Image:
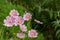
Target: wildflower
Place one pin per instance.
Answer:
(20, 35)
(14, 13)
(32, 33)
(9, 21)
(37, 21)
(11, 38)
(27, 16)
(19, 20)
(23, 28)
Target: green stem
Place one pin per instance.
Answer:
(58, 13)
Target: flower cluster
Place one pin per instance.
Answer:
(15, 19)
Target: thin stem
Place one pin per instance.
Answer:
(58, 13)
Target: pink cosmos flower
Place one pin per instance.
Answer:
(9, 21)
(27, 16)
(23, 28)
(19, 20)
(11, 38)
(14, 13)
(20, 35)
(32, 33)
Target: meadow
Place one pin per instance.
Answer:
(45, 19)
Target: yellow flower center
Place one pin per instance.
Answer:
(32, 34)
(27, 16)
(19, 22)
(10, 21)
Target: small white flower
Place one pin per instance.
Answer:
(23, 28)
(27, 16)
(14, 13)
(20, 35)
(19, 20)
(32, 33)
(37, 21)
(9, 21)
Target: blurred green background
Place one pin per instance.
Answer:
(47, 11)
